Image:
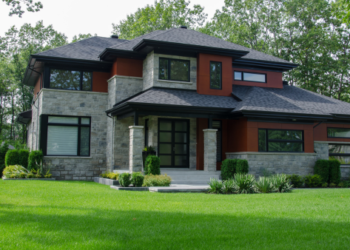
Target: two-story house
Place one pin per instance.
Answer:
(197, 99)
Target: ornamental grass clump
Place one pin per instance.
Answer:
(156, 181)
(281, 183)
(265, 185)
(245, 183)
(215, 186)
(14, 170)
(228, 186)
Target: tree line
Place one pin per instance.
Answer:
(312, 33)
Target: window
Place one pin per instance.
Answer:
(271, 140)
(217, 125)
(338, 132)
(215, 75)
(340, 152)
(249, 77)
(70, 79)
(68, 136)
(174, 69)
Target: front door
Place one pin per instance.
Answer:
(173, 143)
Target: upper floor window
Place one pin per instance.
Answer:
(249, 77)
(338, 132)
(70, 79)
(174, 69)
(272, 140)
(215, 75)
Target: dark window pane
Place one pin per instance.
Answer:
(85, 121)
(181, 126)
(64, 79)
(254, 77)
(179, 70)
(180, 149)
(163, 69)
(84, 141)
(181, 161)
(238, 76)
(285, 147)
(165, 125)
(181, 137)
(62, 140)
(262, 140)
(339, 149)
(339, 132)
(87, 78)
(216, 124)
(164, 137)
(165, 160)
(218, 146)
(215, 75)
(165, 148)
(285, 135)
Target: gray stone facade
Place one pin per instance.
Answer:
(210, 148)
(74, 103)
(345, 172)
(151, 73)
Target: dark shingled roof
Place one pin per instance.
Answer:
(287, 100)
(183, 98)
(87, 49)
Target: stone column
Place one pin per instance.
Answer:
(210, 149)
(135, 148)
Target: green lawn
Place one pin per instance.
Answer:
(86, 215)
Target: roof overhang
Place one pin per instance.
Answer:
(282, 116)
(264, 65)
(24, 117)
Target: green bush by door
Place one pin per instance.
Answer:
(230, 167)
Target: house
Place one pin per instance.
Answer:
(197, 99)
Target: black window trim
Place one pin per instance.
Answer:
(69, 69)
(219, 129)
(249, 73)
(337, 137)
(79, 125)
(276, 140)
(220, 75)
(169, 70)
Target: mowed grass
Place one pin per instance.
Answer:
(86, 215)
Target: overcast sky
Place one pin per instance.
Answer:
(72, 17)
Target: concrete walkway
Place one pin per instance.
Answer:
(174, 188)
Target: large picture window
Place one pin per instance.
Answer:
(272, 140)
(340, 152)
(70, 79)
(174, 69)
(215, 75)
(338, 132)
(249, 77)
(68, 136)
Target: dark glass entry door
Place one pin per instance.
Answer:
(173, 143)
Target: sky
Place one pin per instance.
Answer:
(73, 17)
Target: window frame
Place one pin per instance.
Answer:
(337, 137)
(80, 81)
(169, 69)
(339, 154)
(277, 140)
(79, 125)
(249, 73)
(220, 75)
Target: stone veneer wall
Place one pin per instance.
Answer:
(153, 136)
(120, 88)
(74, 103)
(151, 73)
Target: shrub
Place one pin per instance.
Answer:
(35, 159)
(30, 175)
(341, 184)
(332, 185)
(14, 169)
(22, 175)
(3, 150)
(295, 180)
(104, 175)
(322, 169)
(265, 185)
(244, 183)
(313, 180)
(48, 175)
(228, 186)
(228, 169)
(137, 179)
(11, 157)
(152, 165)
(124, 179)
(12, 176)
(23, 156)
(281, 184)
(242, 167)
(113, 176)
(215, 186)
(325, 184)
(334, 171)
(38, 176)
(156, 181)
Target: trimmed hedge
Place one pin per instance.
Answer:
(334, 171)
(322, 169)
(11, 157)
(124, 179)
(152, 165)
(228, 169)
(35, 158)
(137, 179)
(3, 150)
(23, 156)
(242, 167)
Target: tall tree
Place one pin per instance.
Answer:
(16, 6)
(164, 14)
